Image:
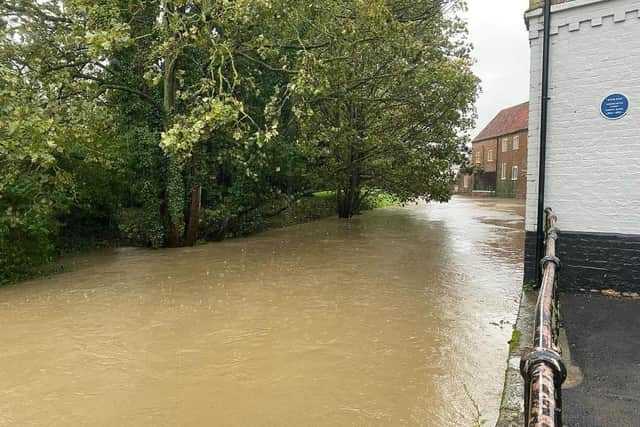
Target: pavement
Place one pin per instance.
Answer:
(512, 405)
(602, 349)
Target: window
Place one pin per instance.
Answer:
(503, 171)
(516, 142)
(505, 144)
(514, 173)
(466, 180)
(479, 156)
(490, 156)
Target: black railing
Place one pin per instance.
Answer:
(542, 367)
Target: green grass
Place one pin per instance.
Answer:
(374, 200)
(325, 194)
(377, 200)
(514, 342)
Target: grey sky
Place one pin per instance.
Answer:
(501, 49)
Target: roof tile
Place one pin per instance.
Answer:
(507, 121)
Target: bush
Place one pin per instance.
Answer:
(27, 221)
(21, 252)
(138, 227)
(378, 199)
(25, 236)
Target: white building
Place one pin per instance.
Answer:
(592, 179)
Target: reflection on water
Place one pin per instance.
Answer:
(381, 320)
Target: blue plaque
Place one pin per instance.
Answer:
(614, 106)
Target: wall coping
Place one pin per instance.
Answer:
(561, 6)
(535, 21)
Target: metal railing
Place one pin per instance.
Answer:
(542, 367)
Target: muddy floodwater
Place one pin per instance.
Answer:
(397, 317)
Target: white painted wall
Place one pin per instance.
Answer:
(593, 164)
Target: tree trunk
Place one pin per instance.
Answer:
(349, 197)
(174, 201)
(193, 222)
(174, 239)
(194, 217)
(175, 223)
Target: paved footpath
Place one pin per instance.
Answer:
(603, 334)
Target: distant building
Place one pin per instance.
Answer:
(500, 153)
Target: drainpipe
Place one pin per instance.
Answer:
(543, 137)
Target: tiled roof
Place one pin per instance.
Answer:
(507, 121)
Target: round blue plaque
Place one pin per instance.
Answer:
(614, 106)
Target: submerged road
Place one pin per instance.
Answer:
(398, 317)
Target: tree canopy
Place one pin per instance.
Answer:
(197, 117)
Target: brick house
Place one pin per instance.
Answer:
(500, 149)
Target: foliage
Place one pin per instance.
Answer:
(386, 100)
(169, 121)
(378, 199)
(30, 185)
(470, 168)
(52, 161)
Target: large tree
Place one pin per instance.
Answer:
(388, 98)
(54, 138)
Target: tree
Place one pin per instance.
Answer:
(43, 133)
(387, 98)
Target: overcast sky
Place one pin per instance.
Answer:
(501, 49)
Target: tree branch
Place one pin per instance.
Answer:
(265, 65)
(116, 86)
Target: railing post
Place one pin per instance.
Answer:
(542, 367)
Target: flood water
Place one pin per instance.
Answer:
(398, 317)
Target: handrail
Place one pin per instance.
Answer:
(542, 367)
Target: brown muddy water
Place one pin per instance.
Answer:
(397, 317)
